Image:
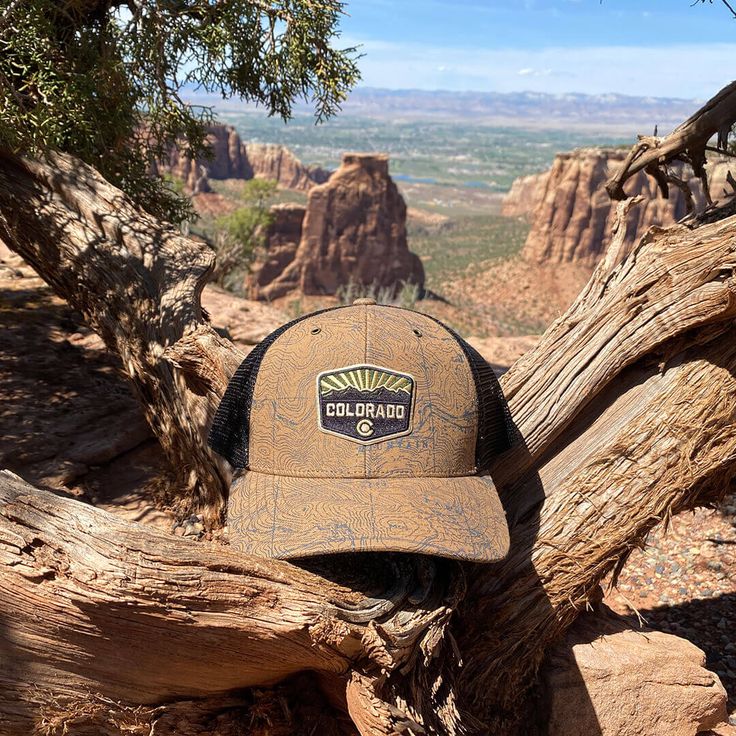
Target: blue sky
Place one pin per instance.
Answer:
(661, 48)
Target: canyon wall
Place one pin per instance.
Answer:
(233, 159)
(282, 242)
(271, 161)
(525, 195)
(571, 214)
(353, 230)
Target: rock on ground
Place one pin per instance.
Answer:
(606, 679)
(684, 583)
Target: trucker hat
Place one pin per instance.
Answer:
(364, 428)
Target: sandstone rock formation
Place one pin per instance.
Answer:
(282, 241)
(602, 663)
(572, 215)
(271, 161)
(525, 195)
(234, 159)
(353, 230)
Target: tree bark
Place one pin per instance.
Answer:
(626, 409)
(113, 627)
(624, 414)
(137, 282)
(95, 604)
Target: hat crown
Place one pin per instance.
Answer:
(364, 392)
(364, 428)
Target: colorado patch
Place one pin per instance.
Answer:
(365, 403)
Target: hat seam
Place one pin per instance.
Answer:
(472, 359)
(365, 359)
(360, 477)
(427, 383)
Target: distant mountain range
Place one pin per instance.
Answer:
(528, 109)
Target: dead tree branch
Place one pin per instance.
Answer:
(688, 142)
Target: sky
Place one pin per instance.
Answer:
(662, 48)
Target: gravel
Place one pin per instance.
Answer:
(684, 583)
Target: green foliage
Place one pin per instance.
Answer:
(174, 183)
(257, 192)
(103, 79)
(243, 231)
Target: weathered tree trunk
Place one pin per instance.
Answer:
(625, 415)
(136, 281)
(95, 604)
(110, 627)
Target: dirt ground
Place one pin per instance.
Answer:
(684, 582)
(509, 297)
(69, 419)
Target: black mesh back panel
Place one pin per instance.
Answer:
(229, 432)
(495, 428)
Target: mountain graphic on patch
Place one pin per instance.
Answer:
(365, 403)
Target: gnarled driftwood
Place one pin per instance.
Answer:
(688, 142)
(624, 412)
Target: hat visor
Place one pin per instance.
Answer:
(286, 517)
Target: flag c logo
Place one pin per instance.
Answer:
(364, 427)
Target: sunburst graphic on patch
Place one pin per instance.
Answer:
(365, 403)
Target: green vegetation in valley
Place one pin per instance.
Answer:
(463, 243)
(241, 232)
(465, 154)
(232, 189)
(235, 195)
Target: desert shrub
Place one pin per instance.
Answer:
(240, 234)
(404, 294)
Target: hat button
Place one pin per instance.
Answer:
(366, 301)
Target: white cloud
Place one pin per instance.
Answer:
(529, 72)
(682, 70)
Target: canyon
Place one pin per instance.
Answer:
(351, 231)
(232, 158)
(571, 214)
